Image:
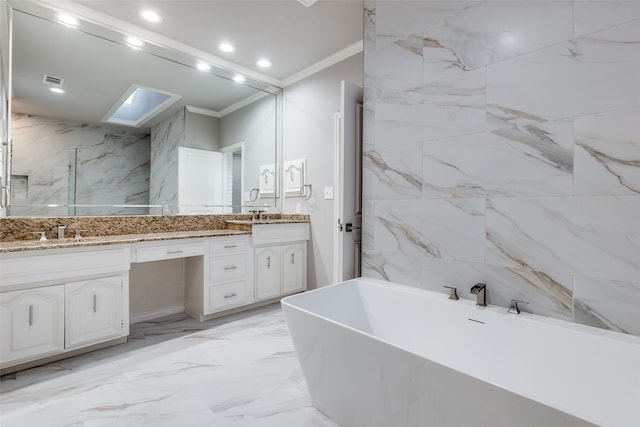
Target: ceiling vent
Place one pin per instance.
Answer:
(307, 3)
(52, 81)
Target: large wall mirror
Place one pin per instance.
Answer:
(100, 126)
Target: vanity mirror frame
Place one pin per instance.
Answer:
(165, 48)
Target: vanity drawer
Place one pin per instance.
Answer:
(273, 234)
(226, 296)
(226, 268)
(229, 245)
(158, 252)
(58, 265)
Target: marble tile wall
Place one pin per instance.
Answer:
(503, 151)
(112, 165)
(166, 137)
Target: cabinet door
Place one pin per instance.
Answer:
(32, 323)
(267, 272)
(293, 268)
(94, 311)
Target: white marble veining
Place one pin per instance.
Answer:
(392, 267)
(547, 294)
(577, 77)
(591, 236)
(537, 123)
(607, 153)
(490, 32)
(112, 165)
(439, 228)
(607, 304)
(240, 370)
(522, 161)
(396, 173)
(166, 137)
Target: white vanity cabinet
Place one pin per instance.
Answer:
(221, 281)
(59, 300)
(94, 311)
(32, 323)
(268, 272)
(280, 259)
(294, 271)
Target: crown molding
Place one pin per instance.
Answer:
(243, 103)
(203, 111)
(341, 55)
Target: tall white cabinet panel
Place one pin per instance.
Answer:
(199, 180)
(94, 311)
(294, 274)
(268, 272)
(32, 323)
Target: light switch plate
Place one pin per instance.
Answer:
(328, 193)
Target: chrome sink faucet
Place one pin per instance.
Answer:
(480, 291)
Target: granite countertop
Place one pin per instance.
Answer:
(30, 245)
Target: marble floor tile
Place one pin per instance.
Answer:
(240, 370)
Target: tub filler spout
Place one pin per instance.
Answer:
(480, 291)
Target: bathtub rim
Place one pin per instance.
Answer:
(441, 297)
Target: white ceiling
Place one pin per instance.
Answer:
(290, 34)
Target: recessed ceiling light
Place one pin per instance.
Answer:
(203, 67)
(238, 78)
(264, 63)
(56, 90)
(150, 16)
(134, 42)
(68, 20)
(226, 47)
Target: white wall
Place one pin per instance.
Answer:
(255, 125)
(201, 131)
(309, 108)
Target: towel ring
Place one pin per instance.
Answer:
(303, 193)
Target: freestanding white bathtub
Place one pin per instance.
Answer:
(382, 354)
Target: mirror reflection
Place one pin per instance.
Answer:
(200, 148)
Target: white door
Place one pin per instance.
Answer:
(32, 323)
(347, 184)
(94, 311)
(200, 181)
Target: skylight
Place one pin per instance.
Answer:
(139, 104)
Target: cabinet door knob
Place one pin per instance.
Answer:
(30, 315)
(230, 246)
(293, 259)
(233, 267)
(268, 262)
(174, 252)
(230, 295)
(95, 300)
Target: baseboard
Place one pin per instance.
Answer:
(149, 315)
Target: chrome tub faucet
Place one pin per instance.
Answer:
(453, 294)
(513, 308)
(480, 291)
